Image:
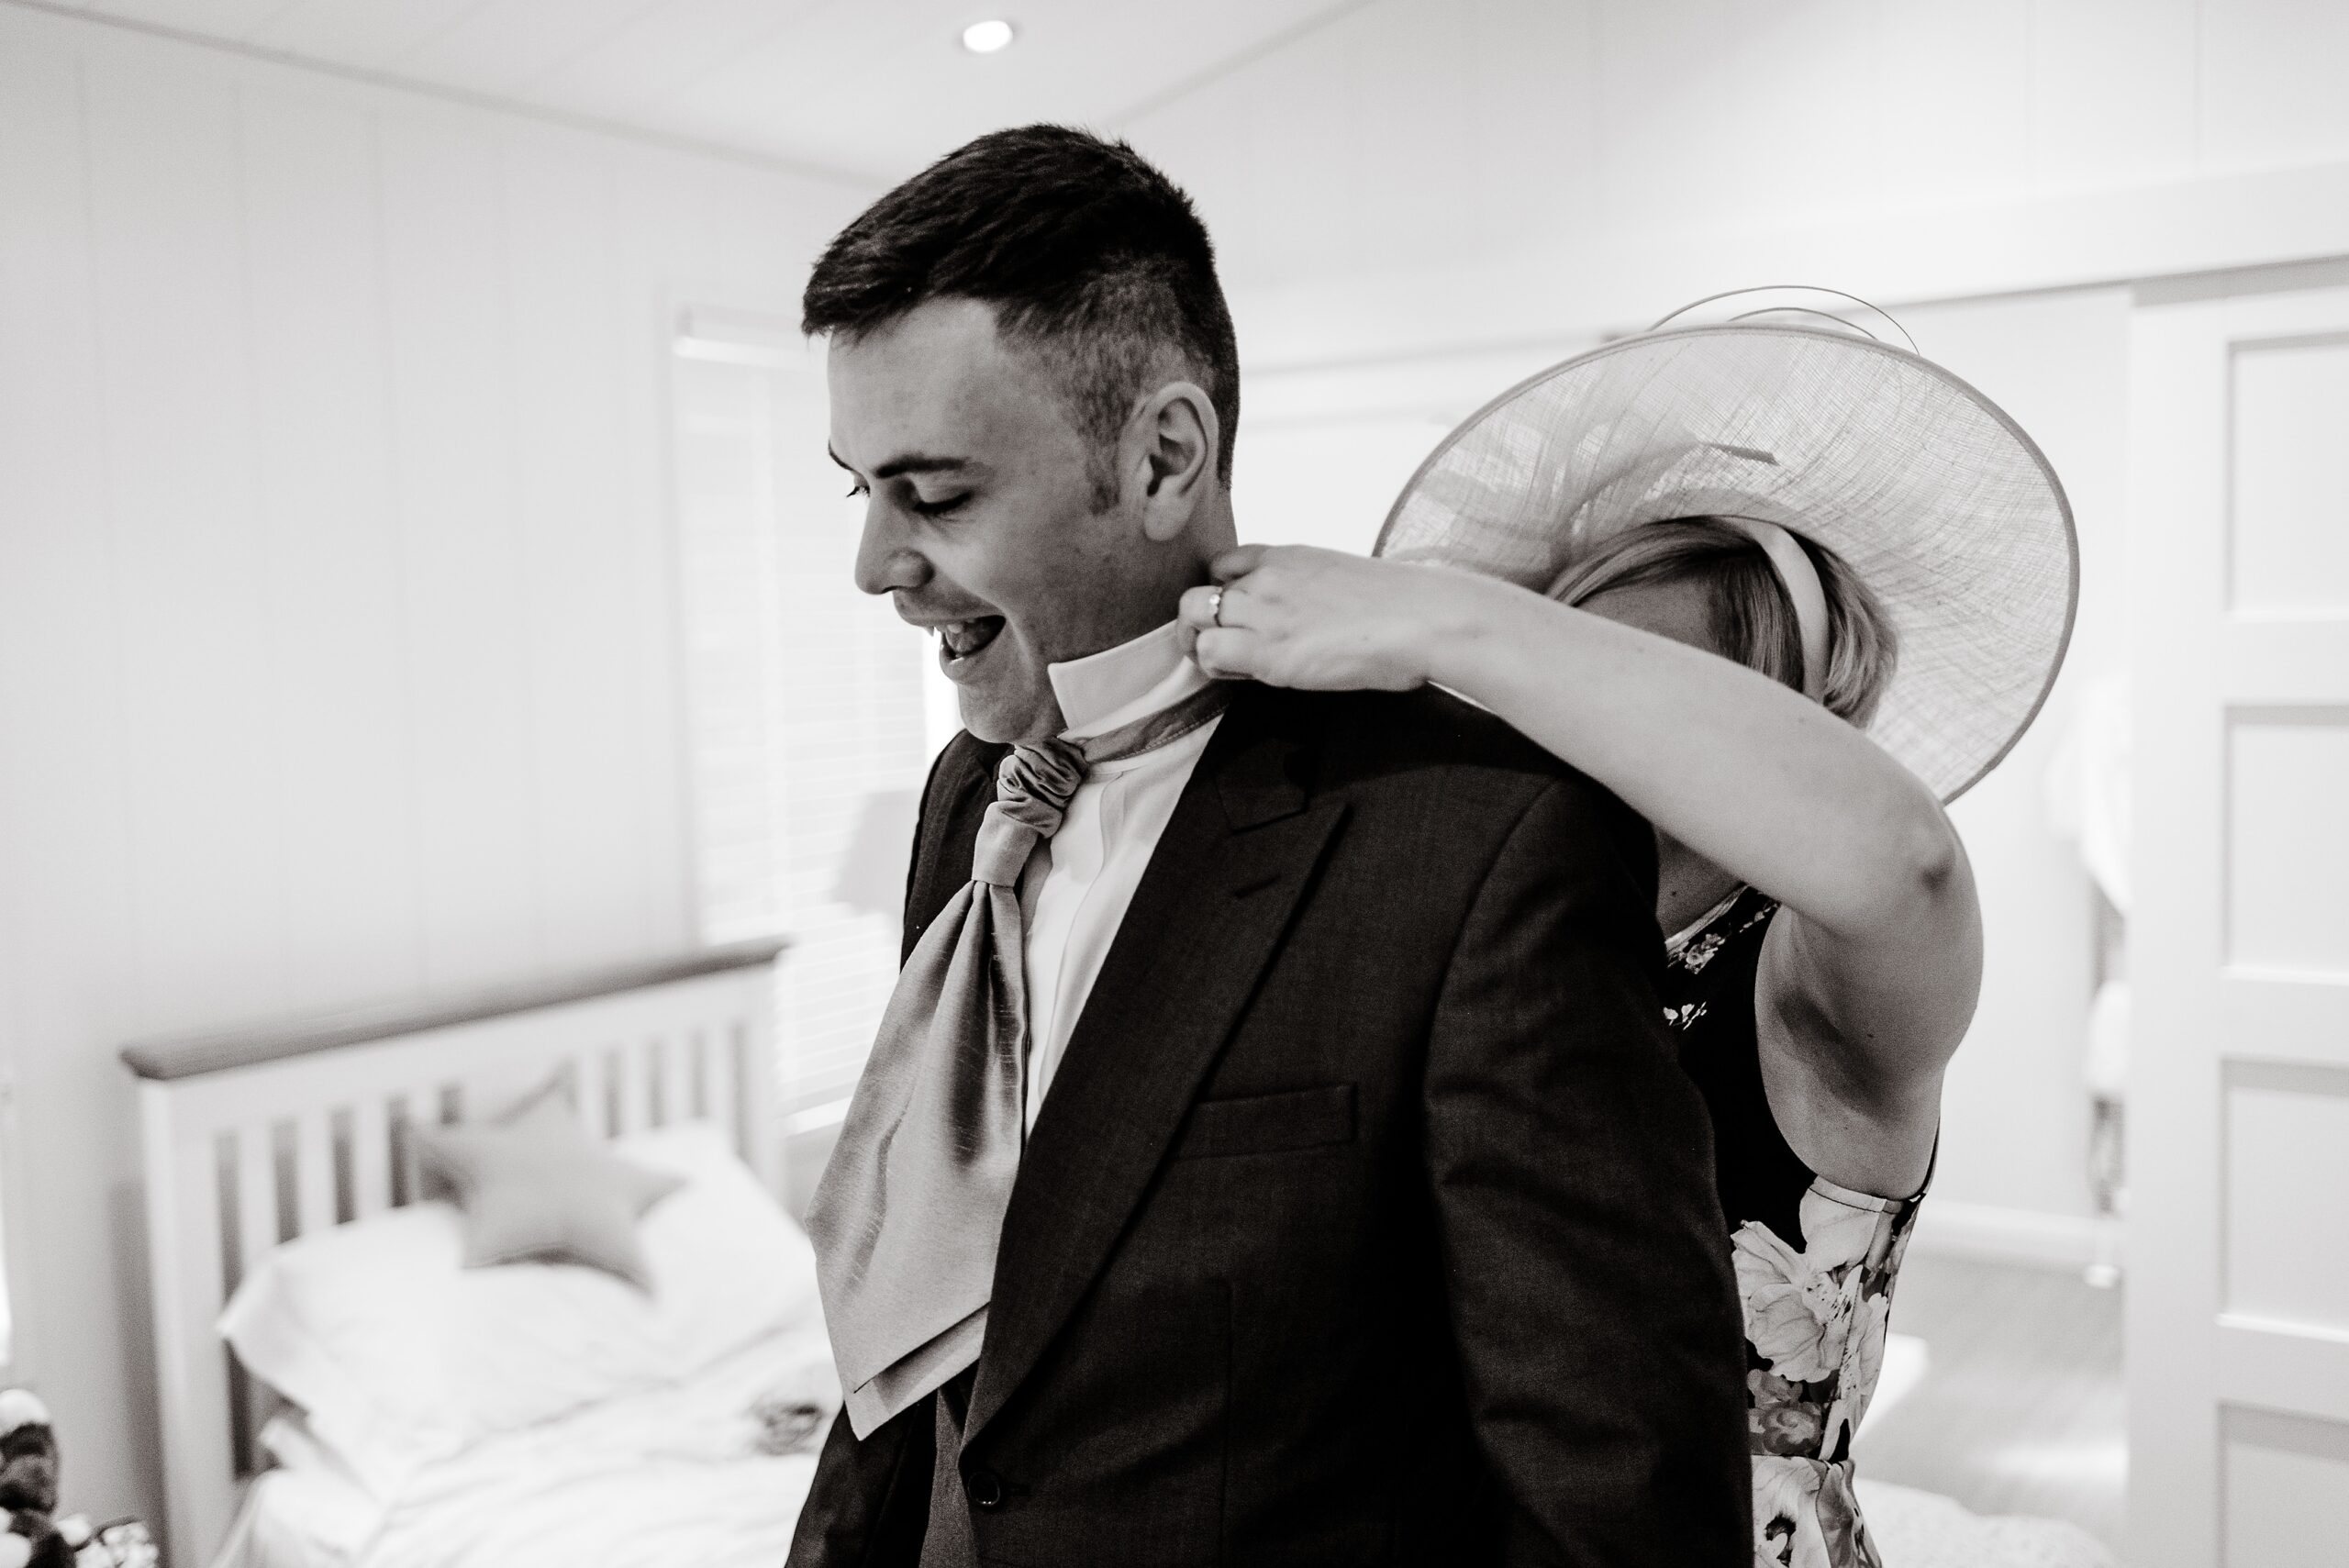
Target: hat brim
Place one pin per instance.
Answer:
(1927, 489)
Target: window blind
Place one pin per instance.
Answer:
(804, 706)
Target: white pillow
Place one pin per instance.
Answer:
(399, 1355)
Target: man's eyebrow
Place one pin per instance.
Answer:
(912, 463)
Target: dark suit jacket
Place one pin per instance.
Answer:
(1368, 1219)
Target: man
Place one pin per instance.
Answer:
(1272, 1153)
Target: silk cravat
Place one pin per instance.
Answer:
(907, 1217)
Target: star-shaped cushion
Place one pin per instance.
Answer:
(534, 1186)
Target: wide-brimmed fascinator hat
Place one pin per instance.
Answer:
(1785, 414)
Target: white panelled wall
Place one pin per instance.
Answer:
(1424, 174)
(336, 648)
(805, 704)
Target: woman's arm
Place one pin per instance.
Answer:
(1878, 950)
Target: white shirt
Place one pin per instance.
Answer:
(1076, 891)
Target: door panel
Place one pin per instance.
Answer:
(2288, 839)
(2238, 1311)
(2287, 1491)
(2286, 1176)
(2288, 398)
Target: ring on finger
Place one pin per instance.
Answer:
(1215, 606)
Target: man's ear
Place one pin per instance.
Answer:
(1172, 445)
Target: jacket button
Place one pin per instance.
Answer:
(984, 1488)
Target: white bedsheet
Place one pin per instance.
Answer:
(675, 1478)
(672, 1478)
(1925, 1530)
(299, 1518)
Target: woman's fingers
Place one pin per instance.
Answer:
(1216, 605)
(1217, 649)
(1225, 653)
(1245, 625)
(1236, 562)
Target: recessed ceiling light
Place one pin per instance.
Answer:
(986, 38)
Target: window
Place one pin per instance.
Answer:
(807, 706)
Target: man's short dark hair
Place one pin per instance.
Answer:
(1090, 257)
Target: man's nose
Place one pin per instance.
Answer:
(886, 559)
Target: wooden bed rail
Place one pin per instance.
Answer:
(216, 1051)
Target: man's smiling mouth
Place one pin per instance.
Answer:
(962, 638)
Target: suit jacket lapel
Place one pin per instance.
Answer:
(953, 805)
(1207, 918)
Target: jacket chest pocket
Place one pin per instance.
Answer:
(1268, 1124)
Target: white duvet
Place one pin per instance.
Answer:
(677, 1477)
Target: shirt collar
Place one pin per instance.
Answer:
(1118, 685)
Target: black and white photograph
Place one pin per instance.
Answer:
(1246, 783)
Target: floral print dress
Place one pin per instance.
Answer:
(1815, 1262)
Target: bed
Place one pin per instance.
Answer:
(674, 1426)
(675, 1475)
(538, 1415)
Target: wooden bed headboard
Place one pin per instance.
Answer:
(252, 1137)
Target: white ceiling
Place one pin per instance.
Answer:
(873, 88)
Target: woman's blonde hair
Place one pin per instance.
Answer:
(1748, 611)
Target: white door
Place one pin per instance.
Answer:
(2238, 1310)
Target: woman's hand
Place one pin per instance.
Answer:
(1324, 621)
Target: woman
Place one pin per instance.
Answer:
(1718, 670)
